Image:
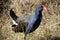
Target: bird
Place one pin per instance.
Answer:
(34, 20)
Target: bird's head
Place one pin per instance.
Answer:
(41, 8)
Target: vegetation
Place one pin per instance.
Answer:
(49, 28)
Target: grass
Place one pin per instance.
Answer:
(50, 22)
(0, 33)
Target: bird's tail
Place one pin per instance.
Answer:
(13, 15)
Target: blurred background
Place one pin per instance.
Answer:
(49, 28)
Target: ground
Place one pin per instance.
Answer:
(49, 28)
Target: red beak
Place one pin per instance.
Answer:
(44, 7)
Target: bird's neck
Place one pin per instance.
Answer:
(38, 13)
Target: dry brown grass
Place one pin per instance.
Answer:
(50, 25)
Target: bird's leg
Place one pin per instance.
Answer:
(25, 36)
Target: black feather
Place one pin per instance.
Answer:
(13, 15)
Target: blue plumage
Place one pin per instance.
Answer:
(35, 20)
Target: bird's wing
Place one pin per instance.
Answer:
(31, 23)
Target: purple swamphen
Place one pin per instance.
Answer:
(34, 21)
